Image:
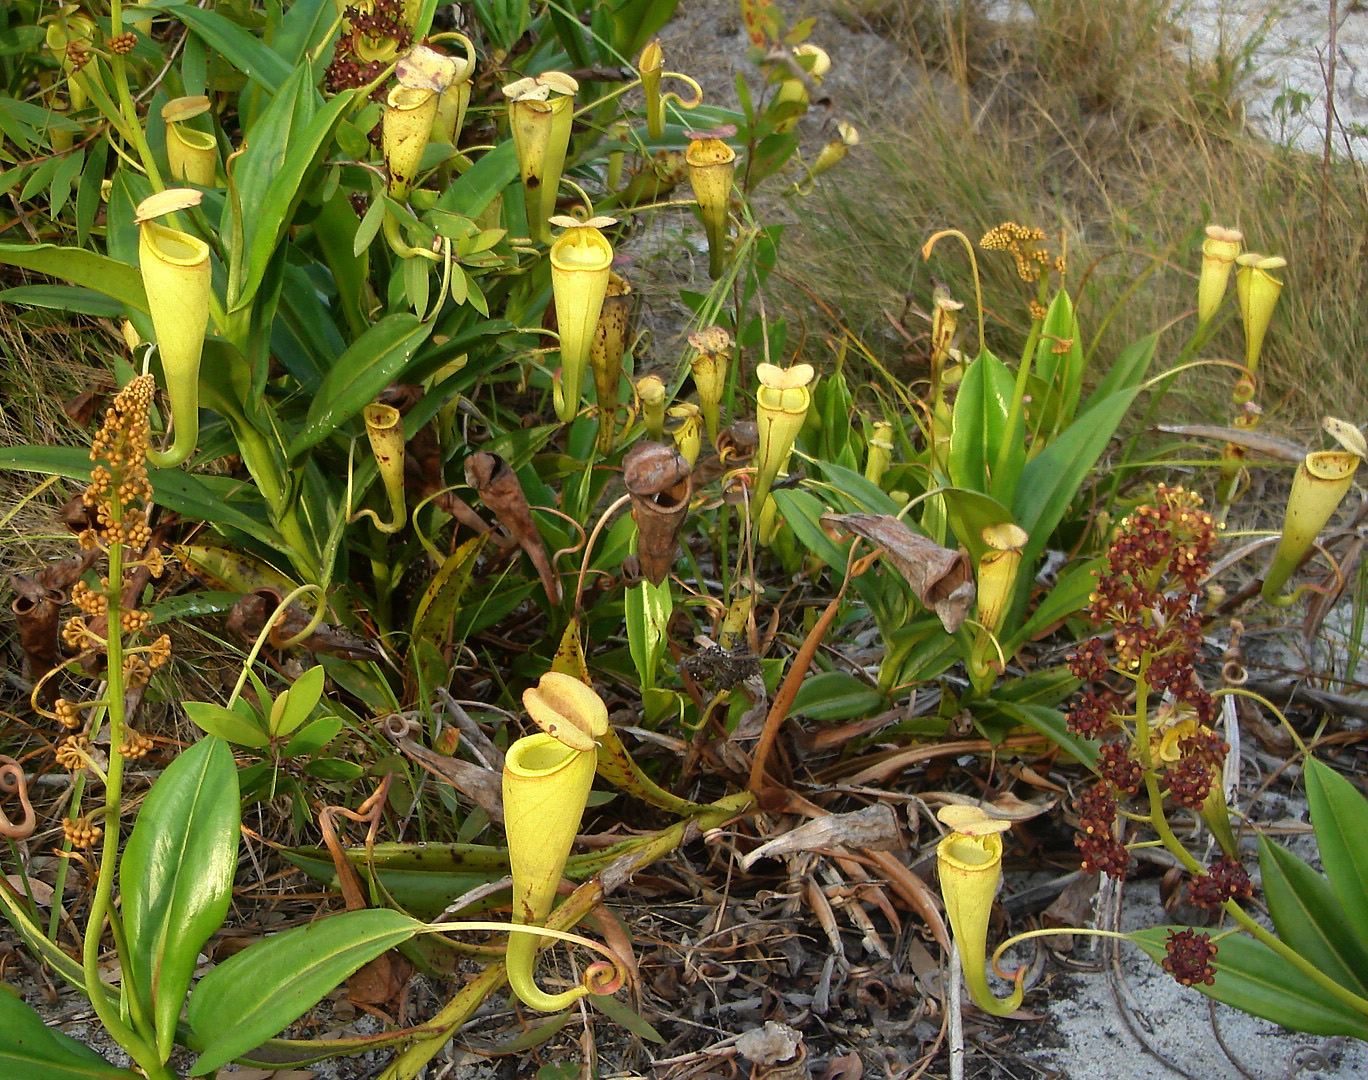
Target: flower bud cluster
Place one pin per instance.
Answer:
(81, 833)
(374, 31)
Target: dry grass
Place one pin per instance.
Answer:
(1091, 122)
(45, 361)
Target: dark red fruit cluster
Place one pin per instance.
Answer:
(378, 20)
(1189, 779)
(1118, 767)
(1224, 880)
(1096, 838)
(1188, 957)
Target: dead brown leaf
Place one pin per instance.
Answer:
(941, 579)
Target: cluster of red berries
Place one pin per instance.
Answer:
(1188, 957)
(1096, 838)
(1190, 778)
(1224, 880)
(376, 21)
(1118, 767)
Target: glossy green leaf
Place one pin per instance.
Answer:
(979, 431)
(648, 609)
(369, 228)
(334, 769)
(206, 498)
(1067, 596)
(803, 512)
(282, 147)
(472, 192)
(835, 695)
(266, 987)
(39, 178)
(1253, 978)
(969, 513)
(77, 266)
(29, 1050)
(88, 195)
(857, 494)
(63, 179)
(1339, 813)
(176, 875)
(1061, 374)
(366, 368)
(1126, 372)
(226, 724)
(634, 23)
(313, 737)
(307, 24)
(1309, 918)
(1049, 722)
(625, 1017)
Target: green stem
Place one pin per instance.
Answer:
(143, 1050)
(132, 129)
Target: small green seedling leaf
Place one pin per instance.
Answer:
(313, 737)
(227, 724)
(295, 705)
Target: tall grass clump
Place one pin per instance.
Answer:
(1107, 126)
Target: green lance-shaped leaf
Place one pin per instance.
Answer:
(80, 267)
(177, 877)
(1050, 482)
(271, 177)
(266, 987)
(1253, 978)
(358, 375)
(1309, 918)
(1339, 813)
(230, 724)
(1060, 373)
(294, 705)
(28, 1048)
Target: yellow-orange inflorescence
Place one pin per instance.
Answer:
(1026, 246)
(73, 752)
(119, 493)
(81, 833)
(69, 713)
(135, 745)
